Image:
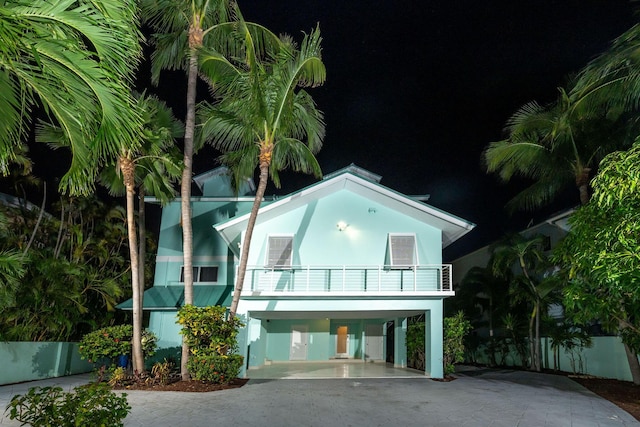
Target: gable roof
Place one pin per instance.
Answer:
(349, 178)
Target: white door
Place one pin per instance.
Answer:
(342, 342)
(299, 339)
(373, 342)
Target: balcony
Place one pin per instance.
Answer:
(349, 280)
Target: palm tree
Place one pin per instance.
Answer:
(481, 287)
(74, 59)
(613, 78)
(556, 146)
(183, 31)
(527, 255)
(149, 168)
(263, 119)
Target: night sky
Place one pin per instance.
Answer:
(415, 90)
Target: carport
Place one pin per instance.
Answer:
(291, 338)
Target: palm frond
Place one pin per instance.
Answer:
(76, 59)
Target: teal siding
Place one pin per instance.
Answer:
(318, 241)
(271, 340)
(163, 324)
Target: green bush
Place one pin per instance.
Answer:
(212, 340)
(113, 341)
(207, 331)
(455, 329)
(416, 345)
(215, 368)
(93, 405)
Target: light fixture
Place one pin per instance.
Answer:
(342, 225)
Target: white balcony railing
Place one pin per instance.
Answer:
(336, 279)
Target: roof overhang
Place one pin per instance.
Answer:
(172, 297)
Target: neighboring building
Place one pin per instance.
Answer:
(553, 229)
(330, 266)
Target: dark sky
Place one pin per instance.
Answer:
(415, 90)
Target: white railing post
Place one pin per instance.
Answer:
(415, 278)
(344, 277)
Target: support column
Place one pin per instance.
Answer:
(434, 341)
(400, 343)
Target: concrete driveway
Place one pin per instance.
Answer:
(476, 398)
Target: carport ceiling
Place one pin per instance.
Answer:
(386, 314)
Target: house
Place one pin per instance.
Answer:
(553, 229)
(329, 267)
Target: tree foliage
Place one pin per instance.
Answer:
(556, 146)
(524, 261)
(75, 60)
(73, 273)
(456, 328)
(265, 119)
(601, 254)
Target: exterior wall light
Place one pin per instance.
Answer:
(342, 225)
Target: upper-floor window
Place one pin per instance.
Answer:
(402, 250)
(279, 251)
(202, 274)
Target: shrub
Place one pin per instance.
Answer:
(212, 339)
(207, 331)
(93, 405)
(416, 345)
(455, 329)
(215, 368)
(113, 341)
(161, 371)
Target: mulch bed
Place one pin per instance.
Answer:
(186, 386)
(624, 394)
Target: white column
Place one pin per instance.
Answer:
(433, 341)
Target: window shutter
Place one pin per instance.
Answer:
(402, 249)
(280, 250)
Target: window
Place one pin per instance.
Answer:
(279, 251)
(202, 274)
(402, 250)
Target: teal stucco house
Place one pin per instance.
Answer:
(334, 270)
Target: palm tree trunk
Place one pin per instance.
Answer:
(40, 214)
(538, 358)
(582, 182)
(185, 194)
(531, 340)
(242, 268)
(60, 239)
(128, 167)
(142, 243)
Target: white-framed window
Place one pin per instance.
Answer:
(202, 274)
(279, 251)
(402, 250)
